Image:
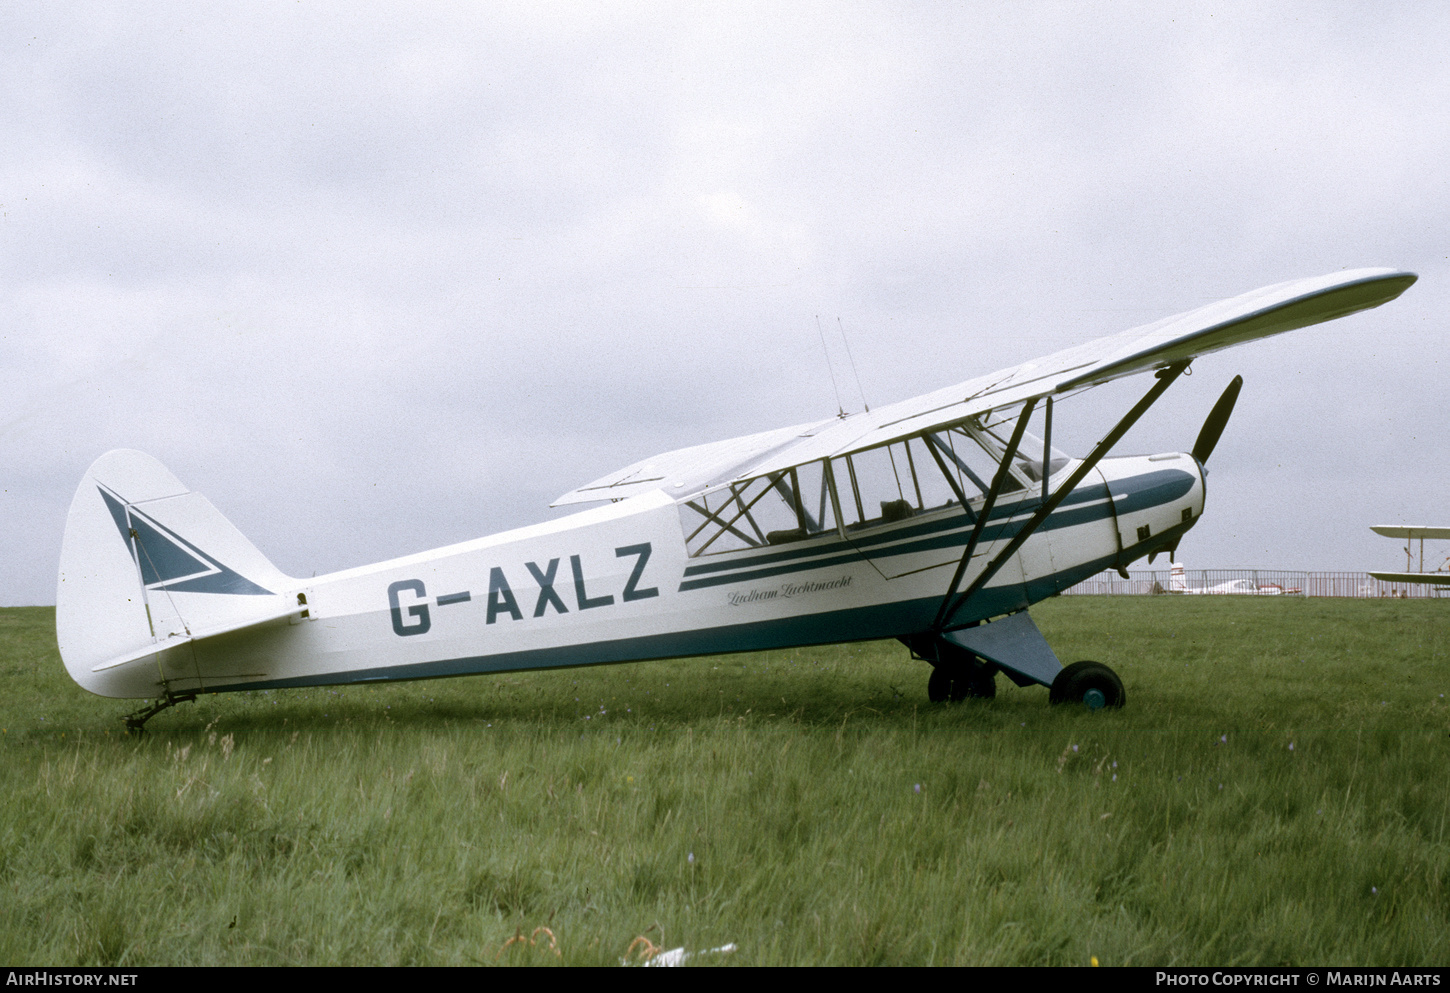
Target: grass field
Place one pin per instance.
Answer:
(1276, 790)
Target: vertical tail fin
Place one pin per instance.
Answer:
(145, 566)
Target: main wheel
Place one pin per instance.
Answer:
(976, 679)
(939, 685)
(957, 681)
(1091, 684)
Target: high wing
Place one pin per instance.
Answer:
(686, 471)
(1396, 531)
(1259, 314)
(1428, 578)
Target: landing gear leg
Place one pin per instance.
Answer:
(136, 721)
(956, 674)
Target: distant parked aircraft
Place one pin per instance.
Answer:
(1234, 587)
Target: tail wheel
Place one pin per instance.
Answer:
(1091, 684)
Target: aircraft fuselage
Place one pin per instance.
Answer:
(616, 584)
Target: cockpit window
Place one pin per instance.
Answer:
(930, 472)
(1029, 458)
(777, 509)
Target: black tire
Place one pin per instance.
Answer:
(960, 686)
(960, 681)
(939, 685)
(982, 683)
(956, 674)
(975, 680)
(1089, 683)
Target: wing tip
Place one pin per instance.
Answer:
(1294, 293)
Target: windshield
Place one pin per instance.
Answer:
(930, 472)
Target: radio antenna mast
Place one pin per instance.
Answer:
(840, 410)
(853, 365)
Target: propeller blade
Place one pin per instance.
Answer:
(1217, 421)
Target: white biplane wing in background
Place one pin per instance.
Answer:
(930, 520)
(1410, 534)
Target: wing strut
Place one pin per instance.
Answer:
(948, 609)
(942, 616)
(931, 444)
(1046, 444)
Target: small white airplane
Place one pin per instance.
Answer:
(937, 520)
(1439, 579)
(1178, 583)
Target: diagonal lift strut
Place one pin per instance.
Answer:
(942, 616)
(950, 607)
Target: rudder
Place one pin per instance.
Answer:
(146, 565)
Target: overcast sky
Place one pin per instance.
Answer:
(380, 278)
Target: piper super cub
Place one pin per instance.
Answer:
(937, 521)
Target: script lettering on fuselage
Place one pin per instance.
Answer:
(787, 591)
(409, 603)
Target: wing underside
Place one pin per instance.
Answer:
(1428, 578)
(687, 470)
(1425, 533)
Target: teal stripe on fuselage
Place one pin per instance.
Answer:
(1002, 512)
(888, 620)
(829, 549)
(1084, 505)
(1151, 489)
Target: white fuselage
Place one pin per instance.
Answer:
(615, 584)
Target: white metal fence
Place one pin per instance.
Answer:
(1264, 581)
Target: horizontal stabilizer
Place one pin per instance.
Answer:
(176, 641)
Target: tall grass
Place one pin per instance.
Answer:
(809, 806)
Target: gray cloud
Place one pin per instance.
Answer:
(379, 278)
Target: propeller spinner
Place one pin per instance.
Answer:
(1217, 420)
